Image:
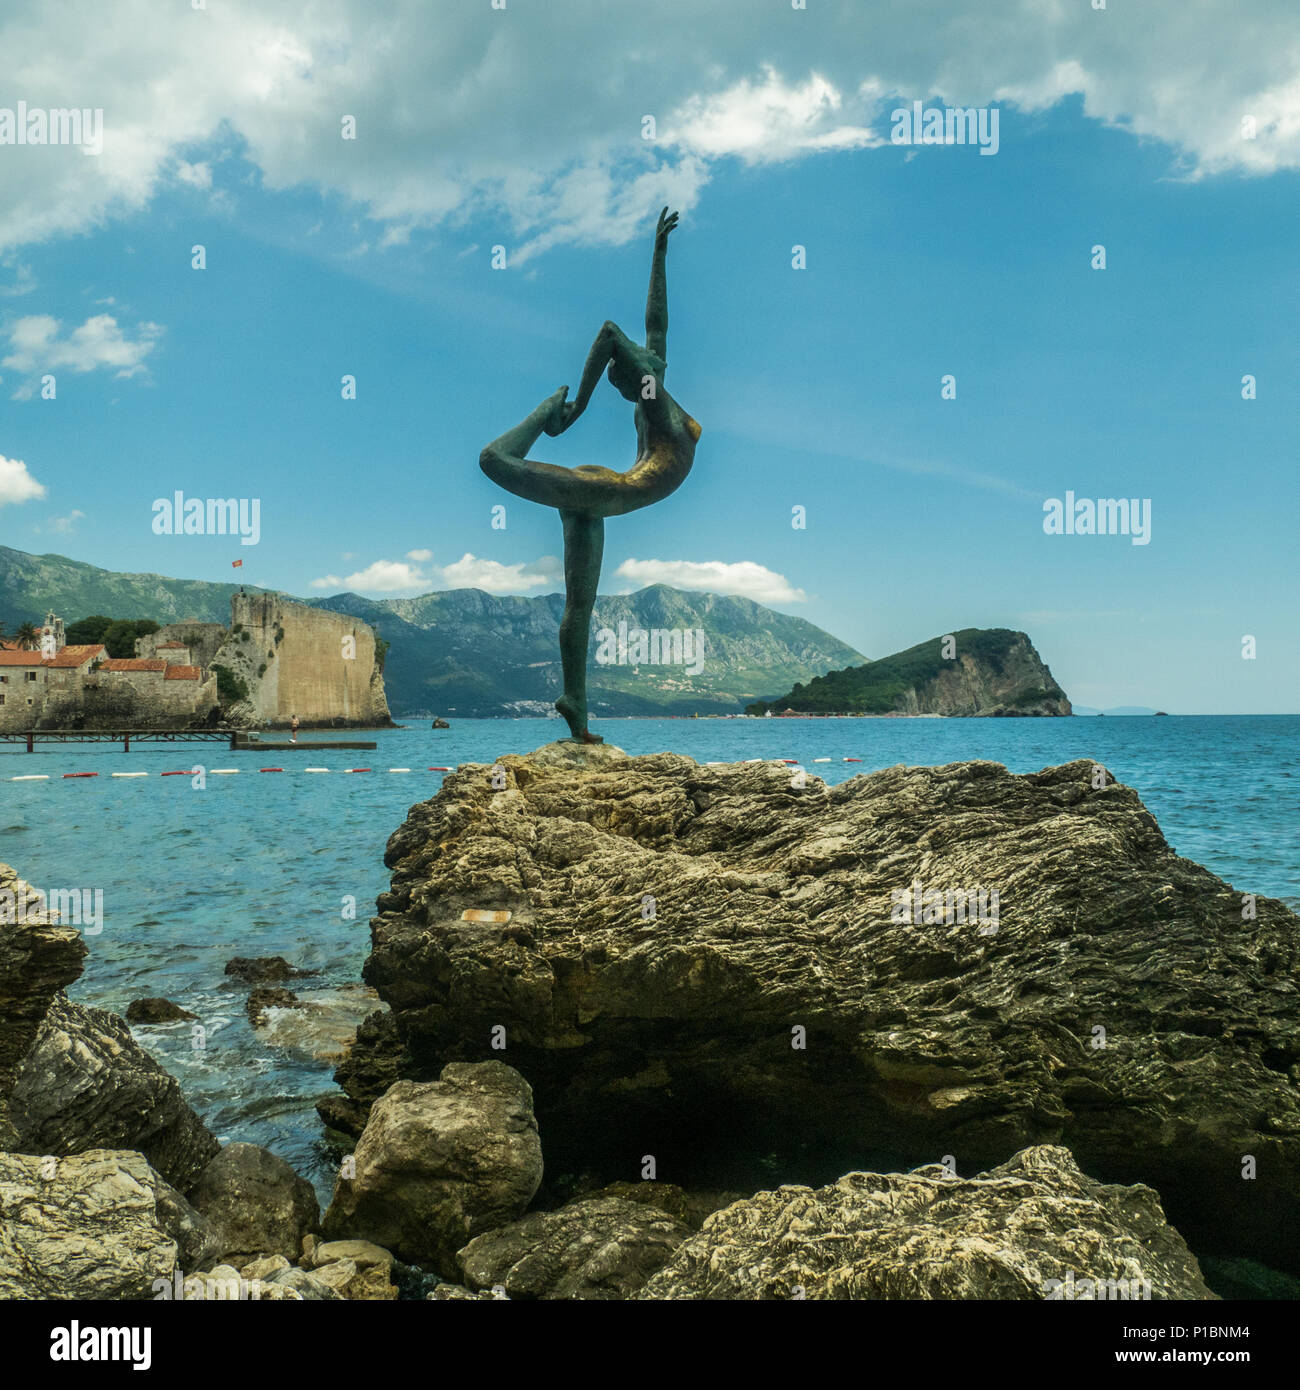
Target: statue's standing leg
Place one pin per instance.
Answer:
(584, 548)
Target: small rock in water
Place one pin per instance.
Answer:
(265, 998)
(155, 1010)
(263, 970)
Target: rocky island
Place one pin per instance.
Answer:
(976, 671)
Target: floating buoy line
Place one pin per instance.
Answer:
(233, 771)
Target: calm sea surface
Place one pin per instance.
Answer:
(260, 864)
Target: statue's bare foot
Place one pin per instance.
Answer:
(580, 732)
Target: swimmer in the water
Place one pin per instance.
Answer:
(585, 496)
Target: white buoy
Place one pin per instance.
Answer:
(399, 769)
(315, 769)
(32, 777)
(130, 774)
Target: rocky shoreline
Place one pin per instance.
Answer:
(659, 1030)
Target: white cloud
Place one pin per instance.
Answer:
(761, 122)
(493, 93)
(16, 483)
(469, 572)
(381, 577)
(744, 578)
(38, 344)
(420, 556)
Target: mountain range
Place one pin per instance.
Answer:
(473, 654)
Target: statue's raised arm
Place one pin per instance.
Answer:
(656, 304)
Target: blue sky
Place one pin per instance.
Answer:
(817, 388)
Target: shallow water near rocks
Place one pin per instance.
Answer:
(273, 863)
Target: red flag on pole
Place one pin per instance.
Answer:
(235, 564)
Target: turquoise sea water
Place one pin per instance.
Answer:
(260, 864)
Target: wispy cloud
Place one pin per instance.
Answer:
(37, 343)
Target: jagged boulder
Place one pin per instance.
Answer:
(717, 965)
(38, 956)
(86, 1083)
(72, 1078)
(598, 1248)
(98, 1225)
(439, 1163)
(255, 1203)
(1033, 1228)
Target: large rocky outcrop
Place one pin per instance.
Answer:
(72, 1078)
(100, 1225)
(1034, 1228)
(439, 1164)
(706, 965)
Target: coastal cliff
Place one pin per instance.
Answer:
(976, 671)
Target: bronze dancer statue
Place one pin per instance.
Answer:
(585, 496)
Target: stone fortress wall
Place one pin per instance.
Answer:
(295, 659)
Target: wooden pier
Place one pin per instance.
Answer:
(31, 737)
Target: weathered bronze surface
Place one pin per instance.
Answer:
(585, 496)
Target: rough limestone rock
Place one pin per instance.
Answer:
(99, 1225)
(308, 1286)
(255, 1203)
(600, 1248)
(38, 956)
(439, 1163)
(1034, 1228)
(86, 1083)
(156, 1010)
(693, 1208)
(264, 970)
(266, 997)
(374, 1062)
(73, 1078)
(358, 1269)
(707, 964)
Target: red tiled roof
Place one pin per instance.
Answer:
(132, 663)
(163, 646)
(181, 673)
(68, 657)
(76, 655)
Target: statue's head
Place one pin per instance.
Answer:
(627, 372)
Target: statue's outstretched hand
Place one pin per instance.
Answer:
(667, 221)
(560, 412)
